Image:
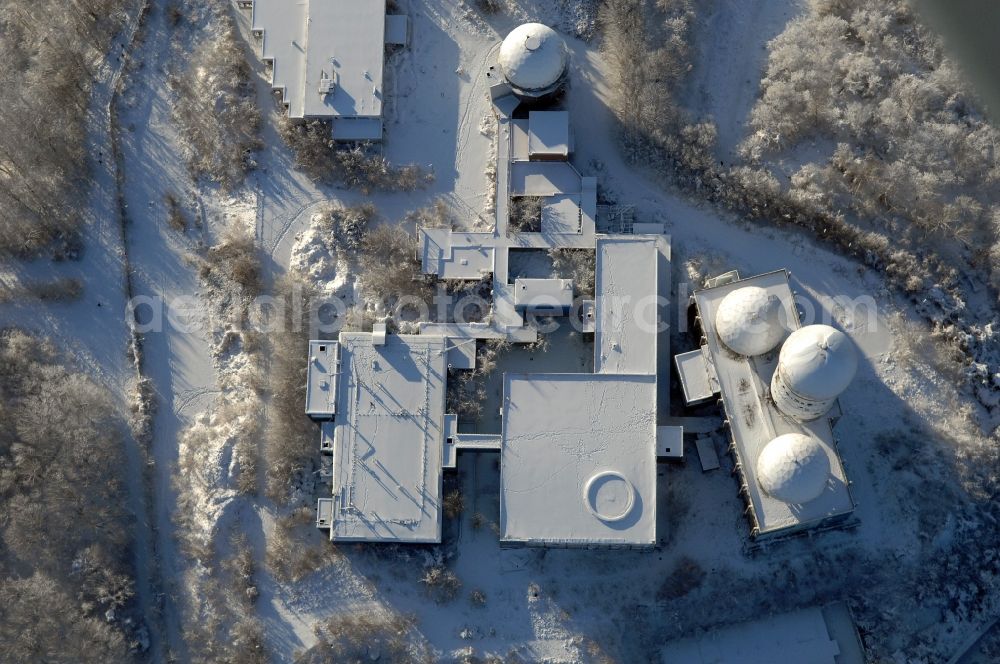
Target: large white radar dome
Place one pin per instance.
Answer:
(533, 57)
(793, 468)
(748, 321)
(815, 366)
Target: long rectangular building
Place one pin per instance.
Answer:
(753, 418)
(389, 436)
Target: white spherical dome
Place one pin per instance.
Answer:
(533, 56)
(748, 321)
(793, 468)
(817, 362)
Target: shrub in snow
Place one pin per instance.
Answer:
(356, 166)
(355, 638)
(52, 53)
(233, 263)
(686, 576)
(290, 438)
(216, 106)
(525, 214)
(390, 269)
(578, 265)
(490, 7)
(441, 584)
(453, 504)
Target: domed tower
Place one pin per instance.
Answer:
(815, 366)
(748, 321)
(794, 468)
(533, 59)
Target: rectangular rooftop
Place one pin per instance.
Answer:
(321, 380)
(754, 420)
(808, 636)
(548, 135)
(327, 59)
(625, 338)
(389, 438)
(578, 461)
(543, 294)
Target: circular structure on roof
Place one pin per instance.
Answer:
(609, 496)
(794, 468)
(815, 366)
(533, 58)
(748, 321)
(818, 362)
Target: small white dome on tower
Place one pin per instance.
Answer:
(533, 57)
(748, 321)
(815, 366)
(794, 468)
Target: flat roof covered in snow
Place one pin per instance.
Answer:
(697, 375)
(325, 44)
(754, 420)
(548, 134)
(543, 293)
(625, 337)
(321, 383)
(808, 636)
(578, 460)
(389, 438)
(456, 255)
(561, 215)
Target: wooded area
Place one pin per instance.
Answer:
(52, 53)
(65, 566)
(911, 152)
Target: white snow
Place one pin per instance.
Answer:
(559, 605)
(907, 445)
(730, 55)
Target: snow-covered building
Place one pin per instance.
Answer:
(578, 452)
(578, 460)
(549, 135)
(327, 59)
(815, 366)
(543, 296)
(778, 384)
(321, 388)
(599, 430)
(817, 635)
(390, 437)
(568, 221)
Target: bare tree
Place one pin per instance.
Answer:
(216, 106)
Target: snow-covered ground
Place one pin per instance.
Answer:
(559, 605)
(93, 332)
(177, 357)
(574, 605)
(543, 605)
(729, 58)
